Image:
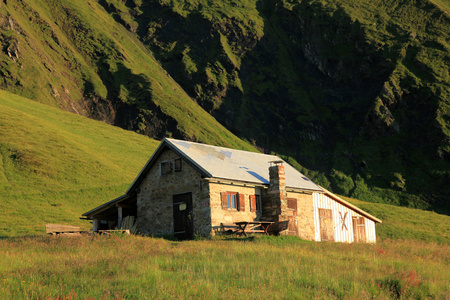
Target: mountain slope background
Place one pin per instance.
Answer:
(356, 91)
(55, 166)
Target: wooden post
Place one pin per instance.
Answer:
(94, 225)
(119, 216)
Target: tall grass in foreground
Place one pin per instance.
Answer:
(285, 267)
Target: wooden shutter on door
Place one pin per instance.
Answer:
(326, 225)
(252, 203)
(292, 203)
(241, 202)
(359, 229)
(292, 216)
(224, 198)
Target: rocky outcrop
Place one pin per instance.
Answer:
(329, 84)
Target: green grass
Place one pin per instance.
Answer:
(56, 165)
(133, 267)
(73, 52)
(310, 56)
(407, 223)
(237, 57)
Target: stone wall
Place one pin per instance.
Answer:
(275, 200)
(155, 201)
(226, 216)
(305, 215)
(155, 198)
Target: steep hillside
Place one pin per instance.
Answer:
(73, 55)
(55, 165)
(357, 91)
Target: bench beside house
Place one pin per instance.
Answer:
(188, 189)
(66, 230)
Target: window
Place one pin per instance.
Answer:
(166, 167)
(233, 201)
(292, 204)
(255, 203)
(177, 164)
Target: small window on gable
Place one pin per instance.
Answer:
(178, 165)
(166, 167)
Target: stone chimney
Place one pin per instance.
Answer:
(276, 202)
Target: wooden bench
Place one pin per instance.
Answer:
(252, 227)
(57, 229)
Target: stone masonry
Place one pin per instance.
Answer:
(155, 198)
(228, 216)
(305, 215)
(275, 202)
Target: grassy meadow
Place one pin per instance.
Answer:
(134, 267)
(56, 165)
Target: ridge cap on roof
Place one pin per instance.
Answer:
(302, 182)
(208, 145)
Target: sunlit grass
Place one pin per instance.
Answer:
(407, 223)
(142, 267)
(56, 165)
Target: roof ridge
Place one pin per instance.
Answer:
(208, 145)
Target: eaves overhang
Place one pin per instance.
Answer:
(106, 205)
(351, 206)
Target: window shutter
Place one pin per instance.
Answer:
(292, 203)
(241, 202)
(252, 203)
(224, 199)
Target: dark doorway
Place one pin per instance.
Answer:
(183, 223)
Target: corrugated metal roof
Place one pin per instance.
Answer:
(226, 163)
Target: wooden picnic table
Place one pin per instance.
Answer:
(252, 225)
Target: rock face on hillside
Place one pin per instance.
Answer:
(357, 91)
(61, 61)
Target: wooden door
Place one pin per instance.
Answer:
(183, 223)
(359, 229)
(292, 217)
(326, 225)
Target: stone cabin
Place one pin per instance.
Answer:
(188, 189)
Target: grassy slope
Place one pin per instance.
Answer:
(69, 52)
(407, 223)
(134, 267)
(55, 165)
(395, 53)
